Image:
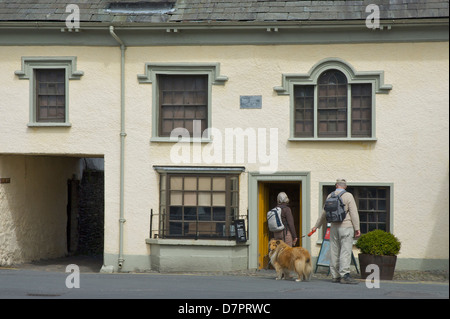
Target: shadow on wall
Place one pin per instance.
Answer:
(33, 207)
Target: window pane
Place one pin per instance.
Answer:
(199, 207)
(176, 229)
(163, 197)
(362, 204)
(190, 183)
(234, 183)
(204, 183)
(163, 182)
(60, 112)
(304, 110)
(372, 203)
(187, 124)
(207, 228)
(332, 107)
(167, 112)
(363, 217)
(201, 98)
(381, 204)
(190, 213)
(219, 183)
(50, 95)
(204, 199)
(190, 198)
(234, 199)
(178, 124)
(176, 198)
(188, 95)
(219, 213)
(204, 213)
(363, 228)
(176, 183)
(176, 213)
(189, 112)
(178, 112)
(167, 126)
(218, 199)
(361, 110)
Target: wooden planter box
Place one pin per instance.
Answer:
(386, 265)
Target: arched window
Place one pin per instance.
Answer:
(332, 104)
(333, 101)
(328, 108)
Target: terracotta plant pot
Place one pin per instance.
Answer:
(386, 265)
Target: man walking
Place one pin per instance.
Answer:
(341, 236)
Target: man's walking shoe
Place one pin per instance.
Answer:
(348, 280)
(336, 280)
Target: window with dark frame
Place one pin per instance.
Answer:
(332, 104)
(304, 110)
(332, 108)
(373, 204)
(199, 205)
(361, 110)
(50, 101)
(182, 99)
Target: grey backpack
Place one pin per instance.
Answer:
(335, 208)
(274, 220)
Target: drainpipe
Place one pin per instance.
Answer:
(122, 143)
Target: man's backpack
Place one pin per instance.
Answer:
(335, 208)
(274, 220)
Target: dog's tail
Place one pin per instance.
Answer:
(303, 268)
(307, 269)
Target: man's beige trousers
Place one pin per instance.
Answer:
(341, 242)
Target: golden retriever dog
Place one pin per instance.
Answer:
(286, 258)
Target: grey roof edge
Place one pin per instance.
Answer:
(223, 24)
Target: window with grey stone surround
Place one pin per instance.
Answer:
(49, 88)
(333, 102)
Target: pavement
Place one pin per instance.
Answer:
(49, 280)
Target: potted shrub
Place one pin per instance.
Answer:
(380, 248)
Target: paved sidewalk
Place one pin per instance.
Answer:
(48, 280)
(93, 264)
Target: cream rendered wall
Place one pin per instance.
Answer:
(33, 207)
(94, 112)
(411, 123)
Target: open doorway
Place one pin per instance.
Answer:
(267, 199)
(41, 207)
(85, 210)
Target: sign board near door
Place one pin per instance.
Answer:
(324, 254)
(241, 236)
